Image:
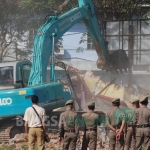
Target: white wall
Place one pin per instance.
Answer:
(73, 36)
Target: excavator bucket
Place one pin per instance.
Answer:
(119, 61)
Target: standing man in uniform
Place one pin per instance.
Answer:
(130, 125)
(36, 125)
(68, 127)
(91, 121)
(115, 120)
(143, 125)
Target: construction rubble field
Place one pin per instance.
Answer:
(89, 86)
(19, 143)
(103, 93)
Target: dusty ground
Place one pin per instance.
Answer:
(19, 143)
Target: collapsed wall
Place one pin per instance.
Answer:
(95, 85)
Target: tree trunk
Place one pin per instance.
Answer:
(1, 54)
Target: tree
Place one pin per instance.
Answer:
(12, 26)
(20, 16)
(122, 9)
(17, 18)
(39, 8)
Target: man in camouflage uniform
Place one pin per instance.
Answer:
(115, 120)
(130, 125)
(143, 125)
(68, 124)
(91, 120)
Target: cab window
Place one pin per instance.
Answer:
(6, 75)
(19, 73)
(26, 72)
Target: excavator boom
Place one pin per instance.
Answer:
(55, 27)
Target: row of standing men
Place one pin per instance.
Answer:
(128, 128)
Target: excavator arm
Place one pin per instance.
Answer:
(54, 28)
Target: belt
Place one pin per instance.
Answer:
(70, 131)
(143, 126)
(91, 129)
(130, 125)
(36, 127)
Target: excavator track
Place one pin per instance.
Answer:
(5, 133)
(8, 131)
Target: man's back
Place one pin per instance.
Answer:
(35, 124)
(115, 116)
(91, 119)
(143, 115)
(68, 119)
(131, 115)
(32, 118)
(68, 127)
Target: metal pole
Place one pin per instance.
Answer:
(53, 49)
(137, 45)
(119, 34)
(122, 33)
(140, 42)
(16, 51)
(130, 52)
(52, 65)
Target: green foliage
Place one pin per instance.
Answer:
(123, 9)
(10, 25)
(50, 6)
(148, 14)
(19, 16)
(7, 147)
(34, 6)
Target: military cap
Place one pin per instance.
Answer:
(59, 109)
(91, 103)
(134, 101)
(143, 99)
(69, 102)
(116, 100)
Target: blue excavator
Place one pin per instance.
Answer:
(20, 80)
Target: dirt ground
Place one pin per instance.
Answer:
(19, 143)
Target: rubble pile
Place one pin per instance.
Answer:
(89, 86)
(95, 84)
(18, 142)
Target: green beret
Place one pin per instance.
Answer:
(116, 100)
(144, 99)
(134, 101)
(69, 102)
(91, 103)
